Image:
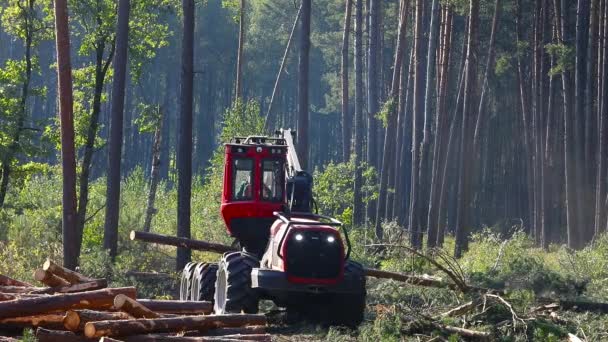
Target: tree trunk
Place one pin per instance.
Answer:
(110, 236)
(441, 136)
(239, 60)
(303, 70)
(468, 115)
(184, 157)
(68, 153)
(358, 208)
(417, 128)
(96, 300)
(391, 128)
(155, 171)
(181, 242)
(372, 93)
(141, 326)
(101, 69)
(75, 320)
(346, 117)
(602, 151)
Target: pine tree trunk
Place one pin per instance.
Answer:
(68, 153)
(391, 128)
(417, 128)
(468, 116)
(441, 136)
(373, 66)
(303, 76)
(239, 60)
(184, 157)
(110, 237)
(346, 117)
(358, 208)
(155, 171)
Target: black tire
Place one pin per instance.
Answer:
(233, 292)
(203, 286)
(349, 309)
(185, 284)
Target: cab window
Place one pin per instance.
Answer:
(242, 176)
(272, 180)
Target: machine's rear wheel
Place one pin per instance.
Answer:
(203, 283)
(233, 292)
(186, 281)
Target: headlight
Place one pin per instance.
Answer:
(331, 239)
(299, 237)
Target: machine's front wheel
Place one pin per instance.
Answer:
(233, 292)
(203, 282)
(349, 309)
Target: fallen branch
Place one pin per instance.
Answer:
(574, 305)
(71, 276)
(181, 242)
(144, 326)
(132, 307)
(100, 299)
(75, 320)
(514, 315)
(461, 309)
(410, 279)
(480, 335)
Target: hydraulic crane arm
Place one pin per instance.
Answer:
(299, 182)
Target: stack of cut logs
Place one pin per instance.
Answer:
(73, 307)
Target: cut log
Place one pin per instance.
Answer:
(74, 320)
(7, 296)
(250, 330)
(50, 321)
(144, 326)
(8, 281)
(8, 339)
(109, 339)
(97, 300)
(422, 280)
(46, 335)
(80, 287)
(575, 305)
(168, 338)
(132, 307)
(49, 279)
(177, 306)
(181, 242)
(20, 289)
(71, 276)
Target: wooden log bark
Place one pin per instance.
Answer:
(75, 320)
(20, 289)
(50, 321)
(177, 306)
(7, 296)
(132, 307)
(575, 305)
(49, 279)
(8, 339)
(46, 335)
(8, 281)
(250, 330)
(100, 300)
(423, 281)
(71, 276)
(108, 339)
(169, 338)
(181, 242)
(80, 287)
(144, 326)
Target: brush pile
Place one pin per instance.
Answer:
(73, 307)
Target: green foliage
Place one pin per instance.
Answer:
(23, 18)
(334, 188)
(149, 117)
(388, 108)
(503, 65)
(564, 57)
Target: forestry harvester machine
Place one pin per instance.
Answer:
(286, 253)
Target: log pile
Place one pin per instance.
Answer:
(73, 307)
